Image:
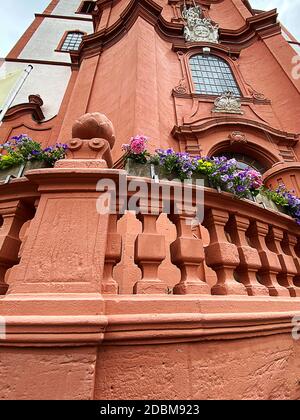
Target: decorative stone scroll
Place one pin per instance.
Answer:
(228, 103)
(93, 138)
(197, 28)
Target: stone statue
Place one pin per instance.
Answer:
(198, 29)
(228, 103)
(93, 137)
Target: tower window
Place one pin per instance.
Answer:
(72, 41)
(87, 7)
(212, 75)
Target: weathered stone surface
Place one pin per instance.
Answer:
(261, 368)
(47, 374)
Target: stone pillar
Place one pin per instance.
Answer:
(66, 244)
(150, 252)
(187, 253)
(249, 258)
(113, 256)
(221, 255)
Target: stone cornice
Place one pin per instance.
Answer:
(270, 316)
(262, 25)
(33, 107)
(290, 139)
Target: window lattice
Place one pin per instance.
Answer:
(212, 76)
(72, 41)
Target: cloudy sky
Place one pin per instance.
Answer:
(16, 15)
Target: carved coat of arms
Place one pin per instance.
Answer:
(198, 29)
(228, 103)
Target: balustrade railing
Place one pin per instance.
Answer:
(252, 251)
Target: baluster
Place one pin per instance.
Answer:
(187, 253)
(112, 257)
(150, 252)
(221, 255)
(271, 266)
(290, 242)
(14, 216)
(249, 257)
(289, 269)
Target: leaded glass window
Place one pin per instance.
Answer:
(72, 41)
(212, 75)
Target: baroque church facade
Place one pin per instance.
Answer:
(89, 300)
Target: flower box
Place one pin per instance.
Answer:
(20, 170)
(148, 170)
(267, 203)
(34, 164)
(13, 172)
(138, 169)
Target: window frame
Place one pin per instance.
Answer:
(80, 7)
(64, 38)
(229, 61)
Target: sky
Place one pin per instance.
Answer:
(16, 16)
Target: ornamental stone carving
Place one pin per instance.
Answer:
(237, 137)
(228, 103)
(181, 88)
(93, 137)
(197, 28)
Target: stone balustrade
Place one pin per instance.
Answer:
(252, 251)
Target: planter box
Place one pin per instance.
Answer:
(35, 164)
(138, 169)
(19, 171)
(14, 172)
(265, 202)
(144, 170)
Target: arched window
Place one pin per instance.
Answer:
(245, 161)
(212, 75)
(72, 41)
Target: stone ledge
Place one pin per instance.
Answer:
(122, 323)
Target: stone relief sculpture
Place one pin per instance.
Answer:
(228, 103)
(197, 28)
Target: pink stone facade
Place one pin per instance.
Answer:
(144, 307)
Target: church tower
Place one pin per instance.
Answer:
(144, 307)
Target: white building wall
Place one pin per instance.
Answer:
(67, 8)
(50, 82)
(44, 43)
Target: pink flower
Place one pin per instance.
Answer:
(138, 145)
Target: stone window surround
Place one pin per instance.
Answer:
(185, 56)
